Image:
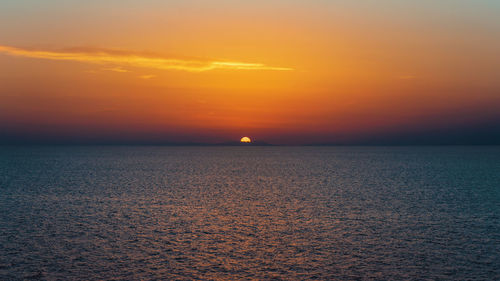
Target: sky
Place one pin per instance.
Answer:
(284, 72)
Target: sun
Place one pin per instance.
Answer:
(245, 140)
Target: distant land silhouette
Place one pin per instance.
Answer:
(481, 133)
(237, 143)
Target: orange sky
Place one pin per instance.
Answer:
(279, 71)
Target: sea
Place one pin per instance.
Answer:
(249, 213)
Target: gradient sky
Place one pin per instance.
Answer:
(290, 72)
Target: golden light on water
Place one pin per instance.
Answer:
(245, 140)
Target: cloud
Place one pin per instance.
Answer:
(123, 58)
(116, 69)
(147, 76)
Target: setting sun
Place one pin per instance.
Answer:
(245, 140)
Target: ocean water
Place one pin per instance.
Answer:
(249, 213)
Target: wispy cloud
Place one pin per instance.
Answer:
(123, 58)
(116, 69)
(147, 76)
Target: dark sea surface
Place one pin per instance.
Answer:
(249, 213)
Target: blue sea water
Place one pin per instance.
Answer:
(249, 213)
